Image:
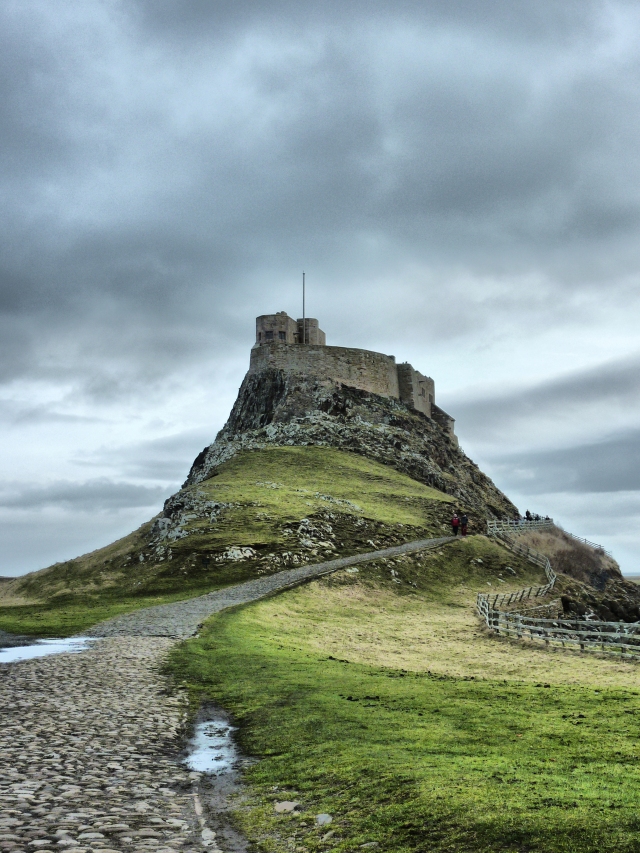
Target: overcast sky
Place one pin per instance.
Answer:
(460, 181)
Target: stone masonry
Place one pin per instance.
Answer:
(279, 346)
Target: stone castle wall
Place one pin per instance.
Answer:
(283, 344)
(416, 390)
(360, 368)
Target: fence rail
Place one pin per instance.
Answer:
(611, 637)
(517, 525)
(589, 543)
(521, 525)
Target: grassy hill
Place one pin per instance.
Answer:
(375, 695)
(389, 707)
(263, 511)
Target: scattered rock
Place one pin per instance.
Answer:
(287, 806)
(323, 819)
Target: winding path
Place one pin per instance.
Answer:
(182, 619)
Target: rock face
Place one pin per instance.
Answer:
(280, 408)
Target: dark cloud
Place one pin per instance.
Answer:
(607, 386)
(166, 459)
(98, 495)
(455, 173)
(150, 193)
(611, 465)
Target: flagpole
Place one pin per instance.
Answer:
(304, 323)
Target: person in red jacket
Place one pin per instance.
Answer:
(455, 523)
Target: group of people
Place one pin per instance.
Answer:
(535, 517)
(459, 524)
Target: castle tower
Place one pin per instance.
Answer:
(274, 328)
(279, 346)
(313, 334)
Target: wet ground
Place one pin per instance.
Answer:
(41, 648)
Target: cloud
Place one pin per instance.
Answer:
(170, 181)
(610, 465)
(97, 495)
(166, 459)
(611, 389)
(459, 179)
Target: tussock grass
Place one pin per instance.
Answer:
(387, 706)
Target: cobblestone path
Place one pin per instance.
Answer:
(90, 745)
(183, 618)
(91, 742)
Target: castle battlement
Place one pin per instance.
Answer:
(279, 346)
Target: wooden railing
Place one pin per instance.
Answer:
(589, 543)
(612, 637)
(516, 525)
(521, 525)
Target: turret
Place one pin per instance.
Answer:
(281, 328)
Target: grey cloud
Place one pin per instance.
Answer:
(200, 19)
(187, 188)
(611, 383)
(97, 495)
(611, 465)
(168, 168)
(13, 413)
(162, 459)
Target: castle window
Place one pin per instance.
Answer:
(268, 336)
(282, 336)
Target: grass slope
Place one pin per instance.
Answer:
(385, 705)
(263, 497)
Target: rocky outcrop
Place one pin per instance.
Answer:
(278, 408)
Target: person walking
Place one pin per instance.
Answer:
(455, 523)
(464, 523)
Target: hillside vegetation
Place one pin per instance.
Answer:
(262, 511)
(377, 697)
(592, 584)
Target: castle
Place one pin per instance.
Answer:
(297, 346)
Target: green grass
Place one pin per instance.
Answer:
(266, 493)
(444, 753)
(67, 617)
(291, 482)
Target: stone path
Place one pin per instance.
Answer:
(184, 618)
(90, 745)
(91, 742)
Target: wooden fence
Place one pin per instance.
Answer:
(621, 638)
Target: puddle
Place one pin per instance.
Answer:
(44, 647)
(212, 749)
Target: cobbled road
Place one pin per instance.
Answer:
(91, 742)
(184, 618)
